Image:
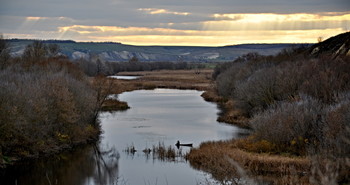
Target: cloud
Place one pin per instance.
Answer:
(204, 21)
(270, 21)
(162, 11)
(222, 38)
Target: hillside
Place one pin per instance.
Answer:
(337, 46)
(110, 51)
(297, 104)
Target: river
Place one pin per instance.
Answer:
(157, 117)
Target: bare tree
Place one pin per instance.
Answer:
(53, 50)
(4, 53)
(35, 52)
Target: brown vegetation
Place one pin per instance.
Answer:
(215, 158)
(114, 105)
(47, 104)
(159, 152)
(180, 79)
(296, 105)
(95, 66)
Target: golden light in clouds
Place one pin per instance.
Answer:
(34, 18)
(153, 11)
(266, 17)
(222, 29)
(221, 39)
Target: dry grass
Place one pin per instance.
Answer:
(180, 79)
(229, 114)
(114, 105)
(163, 153)
(214, 158)
(159, 152)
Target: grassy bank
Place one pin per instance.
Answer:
(297, 106)
(229, 164)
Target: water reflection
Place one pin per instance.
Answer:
(158, 152)
(125, 77)
(88, 165)
(157, 119)
(162, 116)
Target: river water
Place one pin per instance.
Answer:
(157, 117)
(125, 77)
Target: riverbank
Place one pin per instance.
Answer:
(200, 80)
(172, 79)
(213, 157)
(227, 162)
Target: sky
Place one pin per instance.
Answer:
(175, 22)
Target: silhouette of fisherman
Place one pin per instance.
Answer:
(177, 144)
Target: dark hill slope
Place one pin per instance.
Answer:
(338, 46)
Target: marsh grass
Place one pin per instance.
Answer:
(229, 164)
(166, 153)
(114, 105)
(158, 152)
(130, 150)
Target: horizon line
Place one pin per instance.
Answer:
(150, 45)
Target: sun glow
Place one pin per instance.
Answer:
(35, 18)
(270, 17)
(153, 11)
(217, 30)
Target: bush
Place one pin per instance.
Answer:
(291, 126)
(4, 53)
(46, 105)
(306, 126)
(259, 91)
(326, 78)
(337, 128)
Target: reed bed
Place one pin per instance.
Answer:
(158, 152)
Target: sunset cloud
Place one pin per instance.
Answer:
(162, 11)
(164, 22)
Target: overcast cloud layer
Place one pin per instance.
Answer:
(169, 22)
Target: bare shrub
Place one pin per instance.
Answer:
(226, 81)
(291, 126)
(327, 77)
(4, 53)
(259, 90)
(44, 107)
(337, 133)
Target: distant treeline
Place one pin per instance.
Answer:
(43, 41)
(95, 66)
(55, 41)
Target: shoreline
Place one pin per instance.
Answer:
(261, 165)
(178, 79)
(199, 158)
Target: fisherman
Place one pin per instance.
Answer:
(177, 144)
